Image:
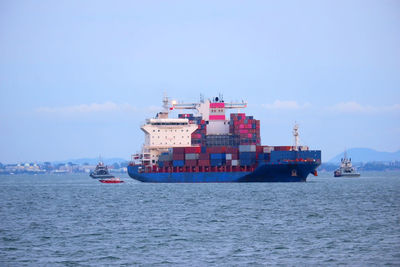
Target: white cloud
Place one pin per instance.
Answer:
(286, 105)
(354, 107)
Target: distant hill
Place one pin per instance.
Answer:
(367, 155)
(92, 161)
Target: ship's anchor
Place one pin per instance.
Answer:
(294, 173)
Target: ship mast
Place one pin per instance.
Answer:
(296, 136)
(165, 103)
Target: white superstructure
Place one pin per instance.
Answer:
(163, 132)
(207, 108)
(213, 112)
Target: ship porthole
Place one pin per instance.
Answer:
(294, 173)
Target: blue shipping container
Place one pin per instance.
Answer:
(315, 154)
(217, 156)
(216, 162)
(178, 163)
(263, 156)
(247, 155)
(247, 162)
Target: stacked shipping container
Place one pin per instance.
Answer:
(243, 130)
(246, 127)
(228, 156)
(238, 148)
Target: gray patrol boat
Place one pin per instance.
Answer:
(346, 168)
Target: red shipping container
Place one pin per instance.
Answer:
(216, 149)
(228, 162)
(210, 150)
(192, 150)
(191, 162)
(282, 148)
(203, 162)
(204, 156)
(178, 150)
(232, 150)
(178, 156)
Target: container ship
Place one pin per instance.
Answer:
(208, 146)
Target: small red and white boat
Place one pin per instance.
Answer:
(114, 180)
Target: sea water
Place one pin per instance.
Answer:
(70, 220)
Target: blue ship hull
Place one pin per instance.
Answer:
(283, 172)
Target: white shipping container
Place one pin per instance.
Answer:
(228, 156)
(247, 148)
(235, 162)
(191, 156)
(268, 149)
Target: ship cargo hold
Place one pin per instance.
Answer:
(209, 147)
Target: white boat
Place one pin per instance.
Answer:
(346, 168)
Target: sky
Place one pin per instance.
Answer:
(78, 78)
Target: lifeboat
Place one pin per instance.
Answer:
(114, 180)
